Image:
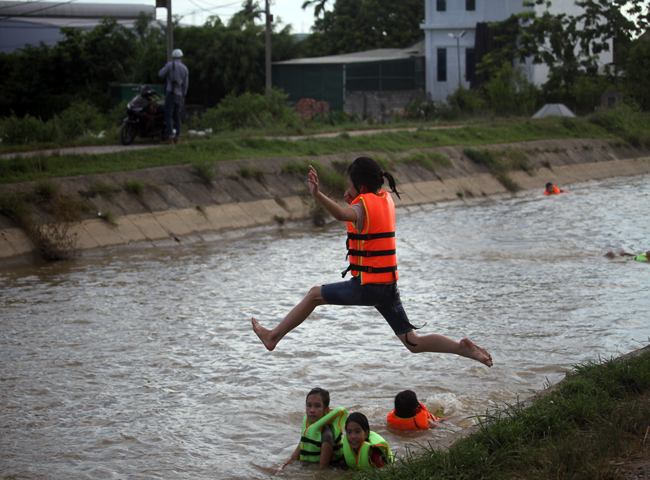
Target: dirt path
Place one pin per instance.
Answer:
(99, 149)
(93, 150)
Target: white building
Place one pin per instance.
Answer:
(451, 42)
(33, 22)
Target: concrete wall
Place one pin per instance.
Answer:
(378, 104)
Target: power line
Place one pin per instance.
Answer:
(209, 10)
(39, 10)
(24, 3)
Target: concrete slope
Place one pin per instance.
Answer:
(176, 206)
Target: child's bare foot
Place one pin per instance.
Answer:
(264, 334)
(469, 350)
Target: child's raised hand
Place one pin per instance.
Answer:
(313, 181)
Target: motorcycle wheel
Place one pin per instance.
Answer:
(128, 132)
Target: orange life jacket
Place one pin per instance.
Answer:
(419, 422)
(372, 250)
(555, 191)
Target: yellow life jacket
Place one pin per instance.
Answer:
(310, 442)
(372, 250)
(361, 460)
(641, 258)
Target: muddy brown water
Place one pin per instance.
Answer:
(142, 364)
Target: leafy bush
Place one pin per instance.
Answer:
(79, 118)
(76, 120)
(509, 91)
(468, 102)
(615, 120)
(251, 110)
(18, 131)
(426, 110)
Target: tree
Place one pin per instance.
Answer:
(357, 25)
(569, 46)
(222, 59)
(319, 6)
(637, 74)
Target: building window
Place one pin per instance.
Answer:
(470, 5)
(470, 67)
(441, 5)
(442, 64)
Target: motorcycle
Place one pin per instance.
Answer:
(146, 117)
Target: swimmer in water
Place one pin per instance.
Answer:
(552, 189)
(321, 433)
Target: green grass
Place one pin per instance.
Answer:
(597, 414)
(238, 145)
(134, 186)
(205, 171)
(502, 161)
(104, 190)
(252, 173)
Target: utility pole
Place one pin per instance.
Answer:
(170, 31)
(269, 20)
(458, 37)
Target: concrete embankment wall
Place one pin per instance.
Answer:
(177, 207)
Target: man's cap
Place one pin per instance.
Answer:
(177, 53)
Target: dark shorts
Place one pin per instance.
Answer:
(385, 298)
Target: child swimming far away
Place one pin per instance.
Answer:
(363, 448)
(321, 437)
(370, 218)
(552, 189)
(643, 257)
(409, 414)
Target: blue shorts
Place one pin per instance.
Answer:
(385, 298)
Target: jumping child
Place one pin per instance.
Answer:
(362, 447)
(321, 439)
(409, 414)
(370, 219)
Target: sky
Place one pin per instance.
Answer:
(196, 12)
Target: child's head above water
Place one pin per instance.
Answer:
(366, 171)
(406, 404)
(357, 429)
(317, 404)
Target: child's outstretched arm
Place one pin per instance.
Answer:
(337, 211)
(294, 456)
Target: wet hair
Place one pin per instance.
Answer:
(406, 404)
(366, 171)
(324, 394)
(360, 419)
(549, 184)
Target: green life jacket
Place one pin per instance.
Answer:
(362, 459)
(310, 442)
(641, 258)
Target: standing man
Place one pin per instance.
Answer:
(177, 83)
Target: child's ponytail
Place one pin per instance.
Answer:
(391, 183)
(366, 171)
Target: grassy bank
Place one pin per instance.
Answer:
(622, 128)
(598, 414)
